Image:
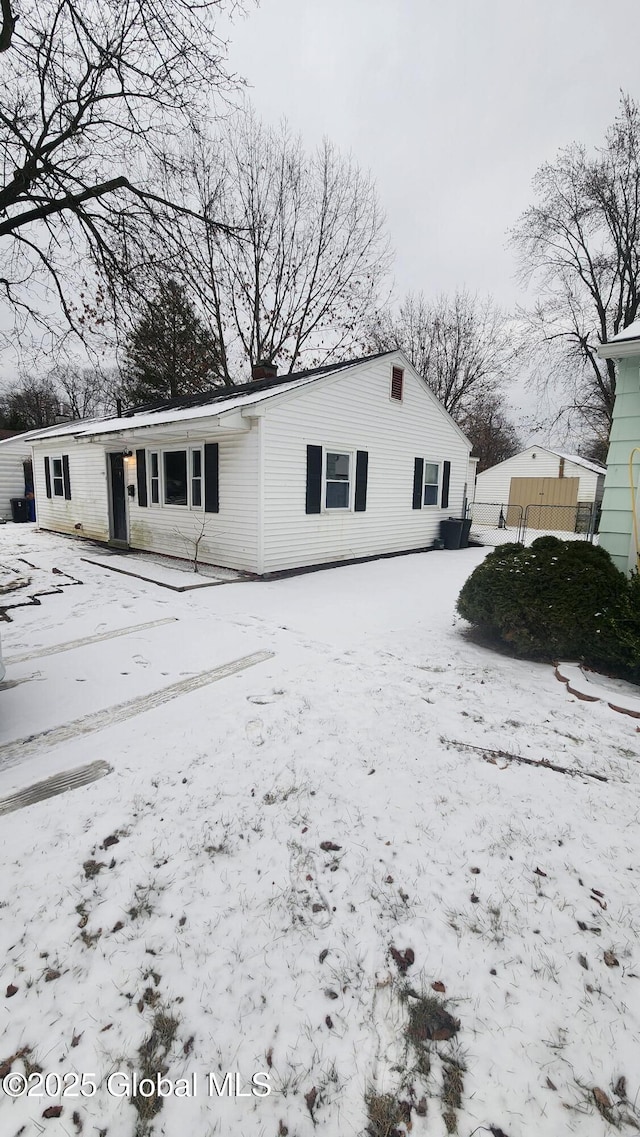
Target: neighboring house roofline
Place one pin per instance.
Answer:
(592, 466)
(26, 435)
(595, 467)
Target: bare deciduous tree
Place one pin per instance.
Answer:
(85, 392)
(492, 434)
(304, 279)
(579, 245)
(67, 391)
(91, 94)
(461, 345)
(29, 404)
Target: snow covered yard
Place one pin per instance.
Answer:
(312, 868)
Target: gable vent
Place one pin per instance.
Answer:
(397, 383)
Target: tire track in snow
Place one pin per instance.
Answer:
(12, 752)
(57, 784)
(98, 638)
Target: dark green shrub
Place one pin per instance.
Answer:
(557, 599)
(546, 542)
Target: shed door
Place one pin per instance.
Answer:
(541, 495)
(118, 504)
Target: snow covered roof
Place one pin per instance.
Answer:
(632, 332)
(29, 436)
(192, 407)
(581, 462)
(626, 343)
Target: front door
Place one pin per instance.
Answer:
(118, 531)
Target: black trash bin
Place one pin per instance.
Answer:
(451, 532)
(466, 529)
(19, 511)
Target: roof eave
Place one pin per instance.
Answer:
(621, 350)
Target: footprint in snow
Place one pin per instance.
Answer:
(254, 733)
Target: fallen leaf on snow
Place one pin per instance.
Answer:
(52, 1111)
(402, 959)
(602, 1101)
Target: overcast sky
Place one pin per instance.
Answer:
(452, 105)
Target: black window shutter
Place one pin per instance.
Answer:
(314, 479)
(446, 475)
(418, 476)
(65, 477)
(211, 478)
(47, 476)
(141, 475)
(362, 469)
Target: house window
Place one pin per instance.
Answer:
(431, 481)
(337, 480)
(175, 477)
(196, 478)
(57, 477)
(397, 383)
(155, 479)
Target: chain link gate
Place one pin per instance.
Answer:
(497, 523)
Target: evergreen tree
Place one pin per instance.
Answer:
(169, 351)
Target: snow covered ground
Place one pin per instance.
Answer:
(180, 915)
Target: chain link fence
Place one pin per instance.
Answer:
(495, 523)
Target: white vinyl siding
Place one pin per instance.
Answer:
(351, 412)
(13, 452)
(230, 536)
(88, 507)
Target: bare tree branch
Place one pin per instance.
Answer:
(304, 280)
(91, 97)
(579, 245)
(8, 24)
(462, 346)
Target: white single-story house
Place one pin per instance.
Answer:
(349, 460)
(14, 452)
(542, 477)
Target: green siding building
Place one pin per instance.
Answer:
(619, 502)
